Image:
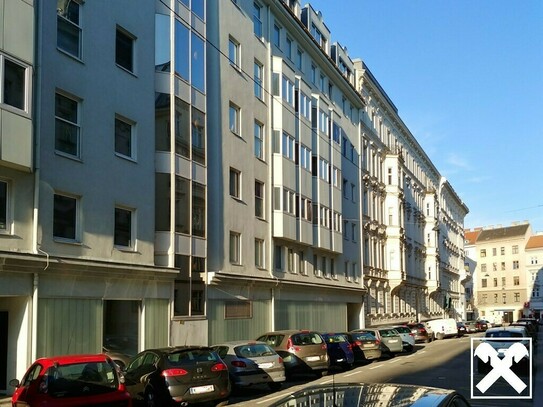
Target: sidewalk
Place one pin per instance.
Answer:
(5, 401)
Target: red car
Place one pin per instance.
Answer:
(71, 380)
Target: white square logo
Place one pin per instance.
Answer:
(501, 368)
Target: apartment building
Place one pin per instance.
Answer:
(413, 219)
(534, 276)
(470, 265)
(501, 288)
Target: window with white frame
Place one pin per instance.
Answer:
(258, 80)
(235, 183)
(65, 210)
(306, 209)
(288, 91)
(234, 52)
(259, 199)
(235, 247)
(234, 119)
(299, 59)
(15, 77)
(290, 261)
(257, 19)
(67, 126)
(259, 140)
(323, 122)
(305, 106)
(123, 228)
(289, 201)
(259, 253)
(4, 207)
(69, 27)
(124, 49)
(124, 142)
(277, 36)
(324, 169)
(336, 176)
(305, 158)
(288, 145)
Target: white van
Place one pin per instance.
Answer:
(443, 328)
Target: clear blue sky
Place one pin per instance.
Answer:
(467, 79)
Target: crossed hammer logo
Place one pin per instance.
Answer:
(501, 367)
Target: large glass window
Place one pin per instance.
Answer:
(182, 128)
(234, 119)
(198, 63)
(66, 125)
(182, 53)
(182, 205)
(259, 199)
(235, 248)
(235, 183)
(189, 295)
(198, 8)
(69, 28)
(198, 136)
(162, 122)
(198, 209)
(162, 202)
(259, 253)
(258, 80)
(124, 50)
(65, 217)
(259, 140)
(233, 52)
(257, 19)
(162, 43)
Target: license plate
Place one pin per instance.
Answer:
(368, 345)
(265, 365)
(201, 389)
(312, 358)
(393, 341)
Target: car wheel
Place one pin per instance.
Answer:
(150, 400)
(275, 386)
(439, 336)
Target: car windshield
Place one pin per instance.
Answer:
(403, 329)
(272, 340)
(253, 350)
(504, 334)
(335, 338)
(80, 379)
(364, 336)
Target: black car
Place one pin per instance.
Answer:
(461, 327)
(174, 375)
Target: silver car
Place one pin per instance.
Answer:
(252, 362)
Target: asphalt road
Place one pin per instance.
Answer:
(446, 364)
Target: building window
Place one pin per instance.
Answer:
(305, 158)
(65, 217)
(288, 146)
(288, 50)
(259, 140)
(516, 280)
(181, 51)
(234, 119)
(514, 249)
(198, 209)
(197, 69)
(289, 201)
(495, 298)
(258, 80)
(259, 199)
(69, 28)
(504, 298)
(259, 253)
(124, 137)
(66, 125)
(483, 252)
(198, 126)
(301, 263)
(503, 266)
(123, 228)
(257, 19)
(495, 282)
(299, 59)
(238, 309)
(278, 257)
(483, 268)
(124, 50)
(515, 264)
(4, 207)
(290, 260)
(288, 91)
(233, 52)
(277, 36)
(324, 170)
(483, 282)
(305, 106)
(235, 183)
(14, 89)
(517, 297)
(235, 248)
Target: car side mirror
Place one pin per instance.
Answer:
(14, 383)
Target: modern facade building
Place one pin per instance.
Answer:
(502, 286)
(210, 171)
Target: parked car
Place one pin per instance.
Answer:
(529, 327)
(461, 329)
(482, 325)
(390, 340)
(516, 334)
(71, 380)
(252, 362)
(419, 330)
(471, 327)
(340, 350)
(371, 394)
(302, 351)
(408, 337)
(182, 374)
(443, 327)
(365, 346)
(121, 359)
(532, 321)
(431, 333)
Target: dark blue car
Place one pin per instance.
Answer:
(339, 349)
